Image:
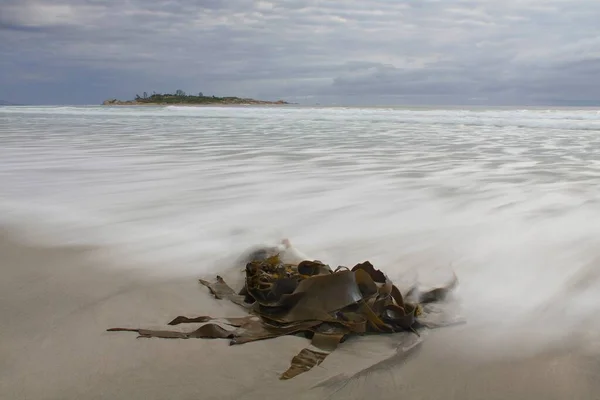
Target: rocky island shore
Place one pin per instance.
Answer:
(181, 98)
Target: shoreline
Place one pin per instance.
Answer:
(58, 303)
(184, 100)
(198, 105)
(402, 107)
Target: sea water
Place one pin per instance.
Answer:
(509, 199)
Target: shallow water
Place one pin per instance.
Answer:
(507, 198)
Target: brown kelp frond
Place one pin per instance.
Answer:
(438, 294)
(310, 298)
(221, 290)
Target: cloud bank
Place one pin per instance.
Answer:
(306, 51)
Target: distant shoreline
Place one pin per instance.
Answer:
(133, 104)
(187, 100)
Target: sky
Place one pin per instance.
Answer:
(346, 52)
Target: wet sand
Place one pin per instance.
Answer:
(56, 304)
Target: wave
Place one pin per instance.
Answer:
(551, 119)
(178, 191)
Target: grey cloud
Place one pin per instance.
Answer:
(509, 51)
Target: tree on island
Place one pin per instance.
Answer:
(180, 97)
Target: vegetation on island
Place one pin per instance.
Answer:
(181, 97)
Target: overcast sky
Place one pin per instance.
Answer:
(306, 51)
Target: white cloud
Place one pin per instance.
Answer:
(40, 14)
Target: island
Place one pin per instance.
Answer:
(181, 98)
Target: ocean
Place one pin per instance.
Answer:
(506, 198)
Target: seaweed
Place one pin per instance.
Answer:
(325, 305)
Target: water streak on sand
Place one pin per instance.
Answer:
(508, 198)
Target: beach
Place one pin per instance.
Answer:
(110, 215)
(57, 304)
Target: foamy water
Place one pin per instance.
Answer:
(509, 199)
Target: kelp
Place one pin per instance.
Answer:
(327, 306)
